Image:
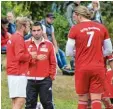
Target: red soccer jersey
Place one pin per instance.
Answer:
(89, 37)
(17, 56)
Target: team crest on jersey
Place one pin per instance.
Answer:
(30, 46)
(44, 49)
(43, 46)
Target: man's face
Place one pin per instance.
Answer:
(50, 20)
(27, 27)
(95, 4)
(37, 32)
(10, 17)
(76, 17)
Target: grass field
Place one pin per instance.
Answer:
(63, 90)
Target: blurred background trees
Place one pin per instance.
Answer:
(36, 10)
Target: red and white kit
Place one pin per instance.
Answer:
(89, 38)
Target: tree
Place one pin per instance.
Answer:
(107, 15)
(38, 9)
(16, 7)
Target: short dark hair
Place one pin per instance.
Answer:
(4, 20)
(50, 15)
(37, 23)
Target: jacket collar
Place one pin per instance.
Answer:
(33, 40)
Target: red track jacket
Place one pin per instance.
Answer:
(43, 68)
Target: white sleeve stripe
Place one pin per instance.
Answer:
(44, 28)
(71, 41)
(107, 47)
(70, 47)
(107, 39)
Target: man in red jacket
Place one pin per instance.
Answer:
(17, 64)
(41, 70)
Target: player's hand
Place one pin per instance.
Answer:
(33, 54)
(41, 57)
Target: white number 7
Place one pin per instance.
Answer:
(91, 34)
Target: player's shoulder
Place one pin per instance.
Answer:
(75, 27)
(16, 37)
(100, 25)
(48, 42)
(28, 42)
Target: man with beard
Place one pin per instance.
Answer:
(42, 70)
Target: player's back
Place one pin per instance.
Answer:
(89, 37)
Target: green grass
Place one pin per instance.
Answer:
(63, 90)
(64, 95)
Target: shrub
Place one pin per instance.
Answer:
(61, 30)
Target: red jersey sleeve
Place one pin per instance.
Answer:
(21, 51)
(53, 63)
(72, 33)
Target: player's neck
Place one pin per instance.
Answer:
(84, 20)
(37, 41)
(20, 32)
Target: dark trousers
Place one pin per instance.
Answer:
(41, 88)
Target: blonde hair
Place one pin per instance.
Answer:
(21, 21)
(83, 11)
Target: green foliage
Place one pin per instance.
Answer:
(38, 9)
(17, 8)
(61, 30)
(107, 13)
(5, 6)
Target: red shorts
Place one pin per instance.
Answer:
(89, 81)
(109, 87)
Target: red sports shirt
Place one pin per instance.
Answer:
(42, 68)
(17, 56)
(89, 37)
